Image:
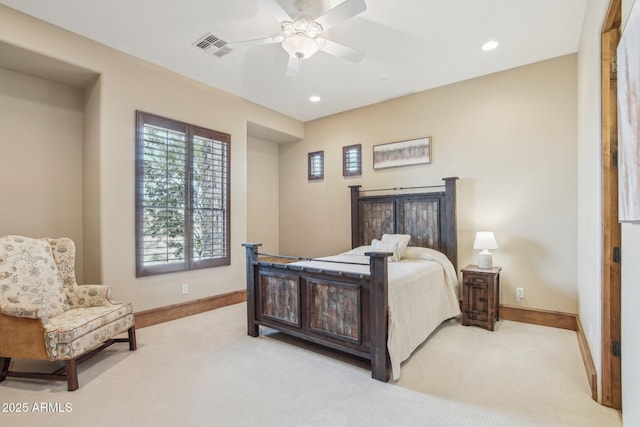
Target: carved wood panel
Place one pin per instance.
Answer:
(378, 218)
(281, 298)
(420, 219)
(334, 309)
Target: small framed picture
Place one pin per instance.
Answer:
(402, 153)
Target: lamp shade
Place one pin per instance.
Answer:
(485, 240)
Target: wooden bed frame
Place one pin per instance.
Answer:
(348, 311)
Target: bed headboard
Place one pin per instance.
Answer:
(430, 218)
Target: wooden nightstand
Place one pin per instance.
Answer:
(480, 296)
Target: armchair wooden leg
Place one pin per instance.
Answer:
(4, 367)
(133, 344)
(72, 374)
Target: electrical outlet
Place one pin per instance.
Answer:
(185, 289)
(519, 293)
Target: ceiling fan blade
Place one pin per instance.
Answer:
(342, 12)
(293, 66)
(274, 8)
(342, 51)
(255, 42)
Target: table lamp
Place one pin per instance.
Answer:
(485, 240)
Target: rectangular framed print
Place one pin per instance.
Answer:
(403, 153)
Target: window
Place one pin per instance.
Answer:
(316, 165)
(182, 196)
(352, 160)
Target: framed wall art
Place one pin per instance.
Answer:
(402, 153)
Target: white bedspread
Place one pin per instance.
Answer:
(422, 294)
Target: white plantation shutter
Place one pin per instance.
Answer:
(316, 165)
(210, 217)
(352, 160)
(163, 196)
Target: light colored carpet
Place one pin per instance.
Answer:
(531, 370)
(205, 371)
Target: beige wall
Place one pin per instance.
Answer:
(41, 159)
(91, 181)
(127, 84)
(510, 137)
(263, 194)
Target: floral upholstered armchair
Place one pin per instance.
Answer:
(46, 315)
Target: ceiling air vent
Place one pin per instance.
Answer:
(212, 45)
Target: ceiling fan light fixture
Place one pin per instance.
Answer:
(302, 32)
(302, 46)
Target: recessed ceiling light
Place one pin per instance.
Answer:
(490, 45)
(314, 98)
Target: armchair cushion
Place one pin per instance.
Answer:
(77, 331)
(29, 276)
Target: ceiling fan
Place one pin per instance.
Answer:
(302, 35)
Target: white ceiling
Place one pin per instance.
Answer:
(409, 45)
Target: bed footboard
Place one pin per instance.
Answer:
(339, 310)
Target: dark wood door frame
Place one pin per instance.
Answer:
(611, 233)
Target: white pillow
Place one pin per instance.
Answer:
(394, 247)
(402, 239)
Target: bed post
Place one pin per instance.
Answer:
(380, 362)
(450, 227)
(253, 329)
(355, 225)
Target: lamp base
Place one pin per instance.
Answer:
(485, 260)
